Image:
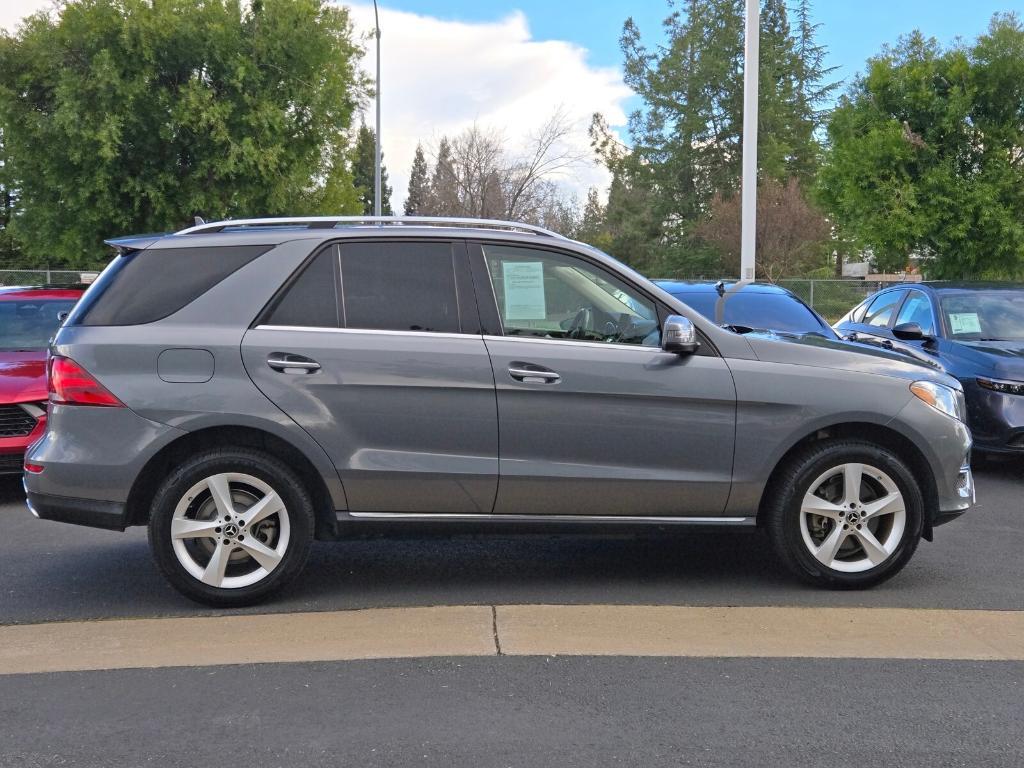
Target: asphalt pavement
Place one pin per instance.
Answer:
(502, 710)
(56, 572)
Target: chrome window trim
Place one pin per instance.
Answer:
(369, 331)
(573, 343)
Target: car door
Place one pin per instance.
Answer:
(594, 418)
(374, 349)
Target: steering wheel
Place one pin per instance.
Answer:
(583, 320)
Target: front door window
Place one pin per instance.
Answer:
(549, 295)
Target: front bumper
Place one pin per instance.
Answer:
(996, 419)
(12, 449)
(965, 490)
(90, 512)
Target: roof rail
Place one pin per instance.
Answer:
(331, 222)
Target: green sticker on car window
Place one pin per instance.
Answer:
(964, 322)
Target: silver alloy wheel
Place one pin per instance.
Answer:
(853, 517)
(230, 530)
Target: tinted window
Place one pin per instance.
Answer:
(28, 324)
(771, 311)
(312, 300)
(149, 285)
(881, 308)
(399, 287)
(987, 315)
(917, 309)
(553, 296)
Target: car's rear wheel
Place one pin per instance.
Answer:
(844, 514)
(230, 527)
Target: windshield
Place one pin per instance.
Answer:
(985, 315)
(768, 311)
(28, 324)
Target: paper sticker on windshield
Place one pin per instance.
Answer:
(964, 322)
(524, 290)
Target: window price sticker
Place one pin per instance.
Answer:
(964, 322)
(524, 290)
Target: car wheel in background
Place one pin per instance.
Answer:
(844, 514)
(231, 526)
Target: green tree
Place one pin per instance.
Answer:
(364, 172)
(130, 115)
(416, 200)
(685, 140)
(926, 155)
(9, 251)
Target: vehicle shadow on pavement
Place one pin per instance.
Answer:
(52, 571)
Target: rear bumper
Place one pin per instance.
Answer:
(90, 512)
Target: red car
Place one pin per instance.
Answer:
(28, 318)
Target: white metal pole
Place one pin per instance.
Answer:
(377, 156)
(751, 54)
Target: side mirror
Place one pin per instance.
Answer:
(908, 332)
(679, 336)
(62, 316)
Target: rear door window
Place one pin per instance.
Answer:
(399, 286)
(313, 298)
(149, 285)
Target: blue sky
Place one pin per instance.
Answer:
(851, 29)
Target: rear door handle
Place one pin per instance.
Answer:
(288, 363)
(533, 375)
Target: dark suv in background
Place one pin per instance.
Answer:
(973, 331)
(243, 387)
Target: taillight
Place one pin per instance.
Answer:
(70, 384)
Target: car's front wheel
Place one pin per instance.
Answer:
(230, 526)
(844, 514)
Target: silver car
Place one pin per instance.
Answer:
(245, 387)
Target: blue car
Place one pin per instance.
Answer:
(973, 331)
(746, 307)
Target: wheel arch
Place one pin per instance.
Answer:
(879, 434)
(157, 467)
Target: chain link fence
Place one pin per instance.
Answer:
(9, 277)
(833, 298)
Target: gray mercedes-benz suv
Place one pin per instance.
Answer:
(244, 387)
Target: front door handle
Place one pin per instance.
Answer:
(288, 363)
(533, 374)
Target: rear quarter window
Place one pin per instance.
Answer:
(149, 285)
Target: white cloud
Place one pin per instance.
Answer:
(13, 11)
(439, 77)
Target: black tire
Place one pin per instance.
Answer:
(297, 507)
(784, 495)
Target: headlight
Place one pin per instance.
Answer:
(1006, 387)
(940, 397)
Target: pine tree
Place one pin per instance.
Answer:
(444, 191)
(686, 141)
(417, 200)
(363, 172)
